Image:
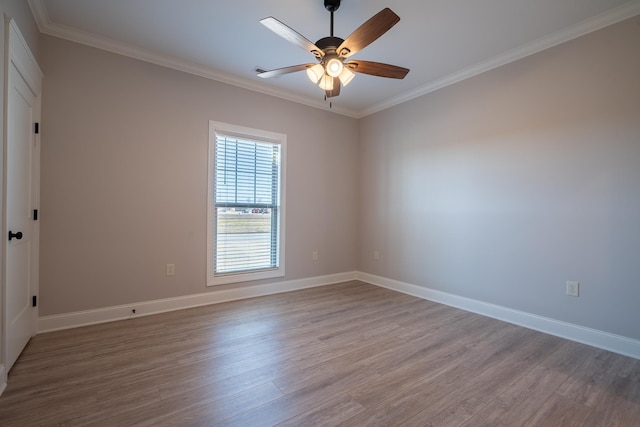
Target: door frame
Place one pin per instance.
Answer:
(17, 52)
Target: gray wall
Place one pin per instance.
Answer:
(499, 188)
(503, 187)
(124, 179)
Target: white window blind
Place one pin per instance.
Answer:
(247, 205)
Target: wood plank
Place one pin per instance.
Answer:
(620, 406)
(520, 400)
(345, 354)
(560, 411)
(302, 400)
(330, 413)
(397, 407)
(590, 382)
(209, 410)
(568, 357)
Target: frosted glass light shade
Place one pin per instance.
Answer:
(326, 83)
(346, 76)
(334, 67)
(315, 73)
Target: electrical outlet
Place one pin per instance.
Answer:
(171, 269)
(314, 255)
(573, 288)
(376, 254)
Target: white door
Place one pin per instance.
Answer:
(21, 189)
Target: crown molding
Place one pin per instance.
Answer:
(46, 26)
(40, 14)
(613, 16)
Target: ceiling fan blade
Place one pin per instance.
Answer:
(377, 69)
(285, 70)
(291, 35)
(336, 88)
(368, 32)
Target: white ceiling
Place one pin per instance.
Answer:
(441, 41)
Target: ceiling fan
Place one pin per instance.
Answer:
(333, 67)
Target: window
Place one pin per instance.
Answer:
(245, 224)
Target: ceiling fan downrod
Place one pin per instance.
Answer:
(331, 6)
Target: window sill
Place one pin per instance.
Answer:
(224, 279)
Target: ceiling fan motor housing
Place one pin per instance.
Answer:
(329, 43)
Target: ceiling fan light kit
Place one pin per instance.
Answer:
(315, 73)
(346, 76)
(326, 83)
(333, 69)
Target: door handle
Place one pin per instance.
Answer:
(13, 235)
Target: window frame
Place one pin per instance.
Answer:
(227, 129)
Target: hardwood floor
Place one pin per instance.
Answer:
(350, 354)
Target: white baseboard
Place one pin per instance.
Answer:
(593, 337)
(146, 308)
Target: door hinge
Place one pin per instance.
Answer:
(35, 214)
(34, 301)
(36, 127)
